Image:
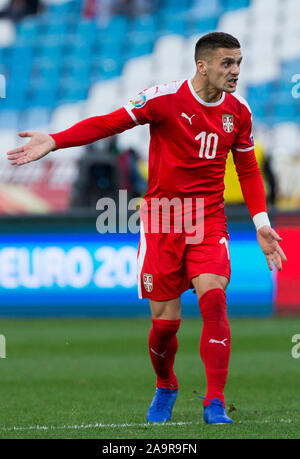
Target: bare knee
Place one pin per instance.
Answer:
(167, 310)
(211, 286)
(205, 282)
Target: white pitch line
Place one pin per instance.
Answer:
(118, 426)
(97, 426)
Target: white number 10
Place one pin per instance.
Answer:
(208, 153)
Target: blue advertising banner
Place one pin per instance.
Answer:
(91, 274)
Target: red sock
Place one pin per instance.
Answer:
(163, 346)
(215, 342)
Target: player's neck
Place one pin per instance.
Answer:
(206, 92)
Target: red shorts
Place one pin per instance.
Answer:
(167, 264)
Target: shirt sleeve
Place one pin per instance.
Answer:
(94, 128)
(246, 164)
(244, 141)
(250, 180)
(148, 106)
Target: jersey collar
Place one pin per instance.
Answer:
(207, 104)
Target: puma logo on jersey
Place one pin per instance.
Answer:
(218, 342)
(184, 115)
(159, 355)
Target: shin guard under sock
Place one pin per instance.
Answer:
(215, 342)
(163, 346)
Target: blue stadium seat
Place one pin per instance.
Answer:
(55, 28)
(77, 7)
(81, 49)
(9, 119)
(285, 111)
(201, 26)
(139, 44)
(202, 8)
(258, 110)
(50, 73)
(281, 108)
(73, 65)
(15, 98)
(234, 4)
(42, 96)
(146, 24)
(110, 48)
(260, 92)
(176, 5)
(290, 68)
(51, 20)
(58, 9)
(87, 30)
(283, 86)
(20, 80)
(41, 62)
(33, 118)
(20, 57)
(80, 74)
(173, 24)
(117, 27)
(52, 52)
(40, 82)
(27, 31)
(104, 69)
(72, 91)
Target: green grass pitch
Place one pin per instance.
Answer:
(92, 378)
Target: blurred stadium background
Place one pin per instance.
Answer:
(62, 61)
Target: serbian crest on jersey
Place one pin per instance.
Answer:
(228, 120)
(148, 282)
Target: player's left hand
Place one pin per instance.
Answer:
(268, 241)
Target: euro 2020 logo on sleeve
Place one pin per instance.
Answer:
(140, 101)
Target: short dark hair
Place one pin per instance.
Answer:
(214, 40)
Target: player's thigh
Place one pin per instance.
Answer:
(208, 264)
(161, 273)
(167, 310)
(209, 281)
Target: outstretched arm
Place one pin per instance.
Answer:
(82, 133)
(254, 194)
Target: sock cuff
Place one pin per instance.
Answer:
(164, 323)
(219, 292)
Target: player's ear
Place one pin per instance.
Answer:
(201, 67)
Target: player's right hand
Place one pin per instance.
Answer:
(39, 145)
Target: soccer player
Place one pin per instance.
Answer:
(193, 126)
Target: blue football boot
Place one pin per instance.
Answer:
(162, 404)
(215, 413)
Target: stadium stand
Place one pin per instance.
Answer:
(61, 66)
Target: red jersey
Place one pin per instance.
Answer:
(190, 141)
(189, 144)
